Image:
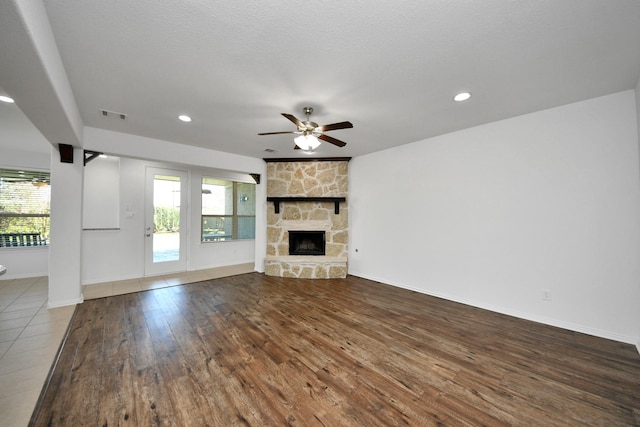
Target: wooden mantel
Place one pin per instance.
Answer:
(336, 200)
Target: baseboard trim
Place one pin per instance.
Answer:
(64, 303)
(8, 276)
(219, 271)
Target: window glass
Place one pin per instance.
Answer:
(228, 210)
(24, 208)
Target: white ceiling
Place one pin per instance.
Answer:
(389, 67)
(17, 131)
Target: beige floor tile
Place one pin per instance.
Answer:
(44, 328)
(153, 283)
(198, 276)
(127, 282)
(11, 290)
(108, 285)
(23, 362)
(16, 409)
(46, 345)
(38, 287)
(155, 286)
(175, 281)
(22, 282)
(24, 306)
(91, 293)
(24, 380)
(45, 314)
(10, 334)
(31, 297)
(28, 312)
(30, 335)
(126, 286)
(96, 295)
(8, 297)
(20, 322)
(4, 346)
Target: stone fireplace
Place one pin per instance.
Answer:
(307, 199)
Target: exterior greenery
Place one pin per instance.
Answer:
(166, 219)
(25, 203)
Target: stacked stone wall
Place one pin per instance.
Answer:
(307, 179)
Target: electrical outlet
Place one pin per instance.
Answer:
(546, 294)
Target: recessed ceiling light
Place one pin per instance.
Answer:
(185, 118)
(4, 98)
(462, 96)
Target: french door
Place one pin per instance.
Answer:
(165, 221)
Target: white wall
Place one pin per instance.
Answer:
(119, 254)
(101, 193)
(25, 262)
(65, 250)
(493, 215)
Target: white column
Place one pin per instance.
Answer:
(65, 251)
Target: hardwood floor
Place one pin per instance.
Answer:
(262, 351)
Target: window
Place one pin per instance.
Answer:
(228, 210)
(24, 208)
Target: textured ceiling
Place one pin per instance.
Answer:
(389, 67)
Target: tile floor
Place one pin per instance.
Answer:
(30, 333)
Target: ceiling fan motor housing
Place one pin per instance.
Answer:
(309, 128)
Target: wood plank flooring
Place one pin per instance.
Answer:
(252, 350)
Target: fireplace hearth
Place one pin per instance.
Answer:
(306, 242)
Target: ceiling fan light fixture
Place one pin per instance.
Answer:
(462, 96)
(307, 142)
(310, 132)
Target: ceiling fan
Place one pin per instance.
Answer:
(310, 132)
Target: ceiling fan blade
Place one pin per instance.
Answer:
(275, 133)
(294, 120)
(332, 140)
(334, 126)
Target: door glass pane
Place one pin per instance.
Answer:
(166, 218)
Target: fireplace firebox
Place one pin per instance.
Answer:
(306, 242)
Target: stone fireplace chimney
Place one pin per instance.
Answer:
(307, 195)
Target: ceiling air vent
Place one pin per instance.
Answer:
(113, 114)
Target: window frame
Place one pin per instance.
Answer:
(234, 216)
(26, 239)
